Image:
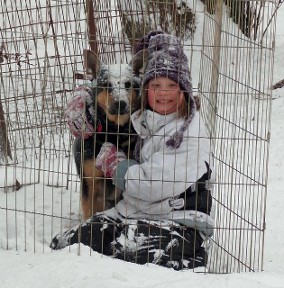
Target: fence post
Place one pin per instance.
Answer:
(5, 149)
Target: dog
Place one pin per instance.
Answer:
(115, 96)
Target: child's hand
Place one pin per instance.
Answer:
(79, 113)
(108, 159)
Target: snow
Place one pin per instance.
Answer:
(26, 260)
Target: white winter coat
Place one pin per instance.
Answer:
(153, 186)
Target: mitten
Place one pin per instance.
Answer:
(108, 159)
(79, 113)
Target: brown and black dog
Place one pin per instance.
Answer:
(115, 96)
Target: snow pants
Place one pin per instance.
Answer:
(163, 243)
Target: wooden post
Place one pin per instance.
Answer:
(5, 149)
(92, 29)
(216, 64)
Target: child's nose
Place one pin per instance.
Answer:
(163, 91)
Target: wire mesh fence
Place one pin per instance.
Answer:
(230, 45)
(238, 94)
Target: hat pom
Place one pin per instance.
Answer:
(177, 137)
(144, 42)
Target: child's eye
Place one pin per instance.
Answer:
(173, 85)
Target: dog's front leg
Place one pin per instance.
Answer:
(90, 202)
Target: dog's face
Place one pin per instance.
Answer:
(118, 92)
(117, 88)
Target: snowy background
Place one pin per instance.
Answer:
(20, 232)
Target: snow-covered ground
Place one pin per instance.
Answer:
(39, 267)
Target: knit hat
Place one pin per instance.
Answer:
(166, 58)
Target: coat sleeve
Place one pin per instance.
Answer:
(168, 172)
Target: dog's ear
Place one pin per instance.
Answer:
(138, 62)
(92, 62)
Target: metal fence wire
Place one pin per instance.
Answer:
(230, 46)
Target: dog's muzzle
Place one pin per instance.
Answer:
(119, 108)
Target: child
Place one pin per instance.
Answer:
(163, 217)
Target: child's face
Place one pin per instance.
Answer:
(164, 95)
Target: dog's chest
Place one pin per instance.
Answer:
(121, 136)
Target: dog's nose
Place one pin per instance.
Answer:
(119, 108)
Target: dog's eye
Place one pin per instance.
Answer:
(108, 86)
(127, 85)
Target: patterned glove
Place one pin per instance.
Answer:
(79, 113)
(108, 159)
